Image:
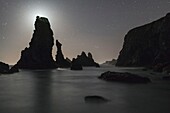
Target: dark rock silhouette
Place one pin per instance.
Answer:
(4, 68)
(95, 99)
(123, 77)
(112, 62)
(75, 65)
(85, 60)
(147, 45)
(60, 60)
(39, 53)
(13, 69)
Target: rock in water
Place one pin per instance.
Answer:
(13, 69)
(85, 60)
(123, 77)
(95, 99)
(39, 53)
(4, 68)
(112, 62)
(60, 60)
(75, 65)
(147, 45)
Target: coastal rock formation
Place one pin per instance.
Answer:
(4, 68)
(123, 77)
(60, 60)
(13, 69)
(112, 62)
(85, 60)
(39, 53)
(147, 45)
(75, 65)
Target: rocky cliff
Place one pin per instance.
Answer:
(39, 53)
(147, 45)
(60, 60)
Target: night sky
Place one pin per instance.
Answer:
(96, 26)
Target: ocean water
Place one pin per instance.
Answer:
(63, 91)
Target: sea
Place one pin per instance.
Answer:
(64, 90)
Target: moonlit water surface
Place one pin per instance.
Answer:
(63, 91)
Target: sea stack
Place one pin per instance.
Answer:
(60, 60)
(147, 45)
(39, 53)
(86, 60)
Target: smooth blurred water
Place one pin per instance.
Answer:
(63, 91)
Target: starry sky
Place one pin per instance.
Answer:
(96, 26)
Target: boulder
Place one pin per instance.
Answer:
(147, 45)
(86, 61)
(123, 77)
(95, 99)
(39, 53)
(60, 60)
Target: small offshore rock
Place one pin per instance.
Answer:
(95, 99)
(123, 77)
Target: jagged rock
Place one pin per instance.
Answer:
(4, 68)
(112, 62)
(39, 53)
(60, 60)
(68, 60)
(85, 60)
(123, 77)
(95, 99)
(147, 45)
(75, 65)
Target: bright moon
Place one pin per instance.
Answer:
(33, 13)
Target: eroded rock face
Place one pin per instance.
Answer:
(123, 77)
(147, 45)
(60, 60)
(39, 53)
(86, 61)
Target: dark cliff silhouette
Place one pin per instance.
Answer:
(112, 62)
(39, 53)
(60, 60)
(147, 45)
(5, 69)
